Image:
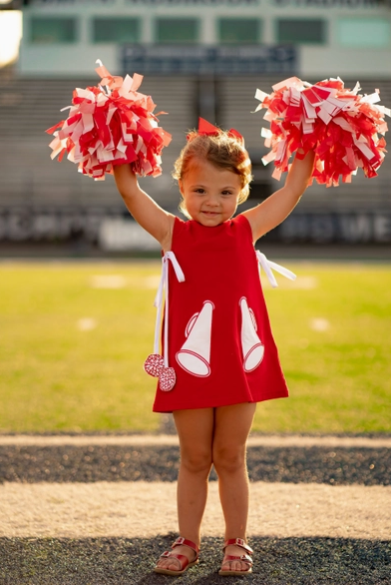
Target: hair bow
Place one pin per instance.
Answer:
(206, 128)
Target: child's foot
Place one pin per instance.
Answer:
(178, 561)
(235, 561)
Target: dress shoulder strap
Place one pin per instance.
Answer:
(180, 226)
(243, 224)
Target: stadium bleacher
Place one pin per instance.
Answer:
(29, 106)
(31, 180)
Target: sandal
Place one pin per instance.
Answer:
(183, 561)
(243, 558)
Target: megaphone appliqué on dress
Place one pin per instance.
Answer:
(252, 347)
(194, 355)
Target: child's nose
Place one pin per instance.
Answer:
(213, 199)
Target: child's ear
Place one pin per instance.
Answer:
(180, 185)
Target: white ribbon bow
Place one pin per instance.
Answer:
(268, 265)
(163, 286)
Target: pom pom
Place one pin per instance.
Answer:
(341, 126)
(111, 126)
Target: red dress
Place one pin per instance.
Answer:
(219, 339)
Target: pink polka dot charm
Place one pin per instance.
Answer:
(154, 365)
(167, 379)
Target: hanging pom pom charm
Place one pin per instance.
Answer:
(154, 366)
(108, 125)
(341, 126)
(167, 379)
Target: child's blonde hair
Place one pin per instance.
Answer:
(224, 150)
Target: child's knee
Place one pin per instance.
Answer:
(229, 459)
(196, 461)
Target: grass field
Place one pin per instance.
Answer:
(74, 338)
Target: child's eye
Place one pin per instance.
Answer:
(227, 192)
(200, 190)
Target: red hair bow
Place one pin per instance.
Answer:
(206, 128)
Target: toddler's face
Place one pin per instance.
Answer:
(210, 194)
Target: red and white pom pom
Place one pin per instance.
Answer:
(111, 126)
(341, 126)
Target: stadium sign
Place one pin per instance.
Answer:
(22, 224)
(207, 60)
(154, 2)
(194, 2)
(114, 231)
(71, 2)
(328, 228)
(330, 3)
(213, 3)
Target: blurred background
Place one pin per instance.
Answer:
(200, 58)
(77, 316)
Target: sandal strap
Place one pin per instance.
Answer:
(183, 560)
(238, 542)
(183, 541)
(243, 558)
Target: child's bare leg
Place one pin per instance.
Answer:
(195, 431)
(232, 426)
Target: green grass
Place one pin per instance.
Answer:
(55, 377)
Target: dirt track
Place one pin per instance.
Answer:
(144, 509)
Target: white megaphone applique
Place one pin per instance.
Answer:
(252, 347)
(194, 355)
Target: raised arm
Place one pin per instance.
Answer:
(277, 207)
(145, 211)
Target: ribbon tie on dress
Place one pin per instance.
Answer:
(156, 365)
(268, 266)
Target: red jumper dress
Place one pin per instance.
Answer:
(219, 339)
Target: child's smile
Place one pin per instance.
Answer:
(210, 193)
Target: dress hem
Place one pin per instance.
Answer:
(221, 405)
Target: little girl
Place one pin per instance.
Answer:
(219, 355)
